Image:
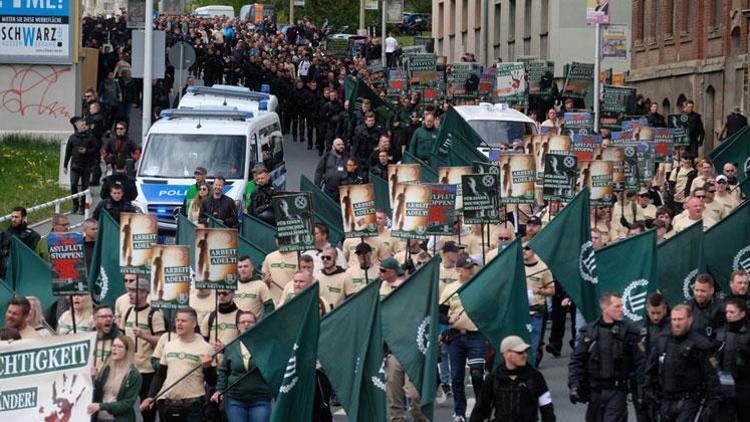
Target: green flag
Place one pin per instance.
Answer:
(28, 274)
(359, 380)
(736, 149)
(261, 232)
(565, 246)
(284, 345)
(185, 236)
(680, 259)
(326, 210)
(727, 245)
(495, 298)
(6, 294)
(358, 89)
(105, 280)
(628, 267)
(410, 328)
(382, 200)
(457, 141)
(428, 174)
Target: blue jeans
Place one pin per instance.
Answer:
(463, 349)
(536, 331)
(445, 365)
(240, 411)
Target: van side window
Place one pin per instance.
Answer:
(277, 140)
(253, 153)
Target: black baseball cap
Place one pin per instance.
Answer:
(451, 246)
(362, 248)
(534, 220)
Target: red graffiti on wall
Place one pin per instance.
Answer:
(28, 88)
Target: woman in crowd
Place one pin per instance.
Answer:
(117, 385)
(250, 399)
(84, 316)
(36, 316)
(194, 209)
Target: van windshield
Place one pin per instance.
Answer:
(499, 132)
(175, 156)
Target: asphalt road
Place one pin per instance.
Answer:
(301, 161)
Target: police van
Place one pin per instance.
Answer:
(497, 124)
(242, 98)
(224, 140)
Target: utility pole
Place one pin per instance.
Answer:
(384, 35)
(148, 67)
(291, 12)
(597, 59)
(362, 30)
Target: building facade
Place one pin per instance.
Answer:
(545, 29)
(692, 49)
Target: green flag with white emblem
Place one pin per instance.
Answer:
(353, 330)
(495, 298)
(628, 268)
(680, 261)
(105, 279)
(28, 274)
(727, 245)
(284, 346)
(410, 328)
(565, 246)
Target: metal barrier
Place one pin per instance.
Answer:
(57, 202)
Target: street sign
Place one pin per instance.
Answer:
(182, 55)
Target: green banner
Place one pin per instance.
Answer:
(727, 245)
(28, 274)
(262, 233)
(410, 329)
(105, 280)
(284, 345)
(359, 382)
(680, 260)
(736, 149)
(294, 221)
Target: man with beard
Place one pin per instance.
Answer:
(20, 229)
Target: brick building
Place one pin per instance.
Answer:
(692, 49)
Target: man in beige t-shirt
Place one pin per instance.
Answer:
(203, 301)
(390, 245)
(448, 271)
(186, 351)
(335, 286)
(364, 271)
(713, 211)
(693, 213)
(251, 295)
(350, 246)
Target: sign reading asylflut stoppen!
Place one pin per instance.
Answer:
(41, 379)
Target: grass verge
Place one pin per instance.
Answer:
(29, 171)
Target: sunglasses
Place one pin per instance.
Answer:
(721, 182)
(382, 270)
(503, 238)
(712, 191)
(700, 196)
(120, 128)
(326, 258)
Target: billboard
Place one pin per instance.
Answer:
(37, 31)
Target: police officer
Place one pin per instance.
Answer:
(649, 329)
(734, 362)
(679, 375)
(738, 286)
(707, 310)
(517, 391)
(604, 363)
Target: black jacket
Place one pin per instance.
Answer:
(656, 120)
(114, 208)
(223, 209)
(26, 235)
(130, 192)
(364, 141)
(709, 317)
(260, 201)
(516, 395)
(78, 150)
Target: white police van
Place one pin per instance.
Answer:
(497, 124)
(230, 96)
(224, 140)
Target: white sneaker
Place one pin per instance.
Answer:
(459, 418)
(440, 397)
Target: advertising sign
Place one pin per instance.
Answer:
(68, 263)
(294, 221)
(614, 42)
(138, 233)
(597, 11)
(358, 210)
(37, 31)
(615, 155)
(170, 276)
(216, 259)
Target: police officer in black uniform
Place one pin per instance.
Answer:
(680, 376)
(738, 286)
(708, 310)
(605, 363)
(734, 362)
(649, 329)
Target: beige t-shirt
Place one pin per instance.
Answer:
(289, 293)
(474, 244)
(227, 324)
(202, 305)
(450, 296)
(446, 277)
(350, 245)
(121, 305)
(729, 202)
(145, 349)
(390, 245)
(357, 277)
(386, 288)
(713, 212)
(680, 178)
(422, 258)
(335, 288)
(281, 266)
(84, 323)
(251, 295)
(682, 221)
(29, 332)
(537, 276)
(182, 357)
